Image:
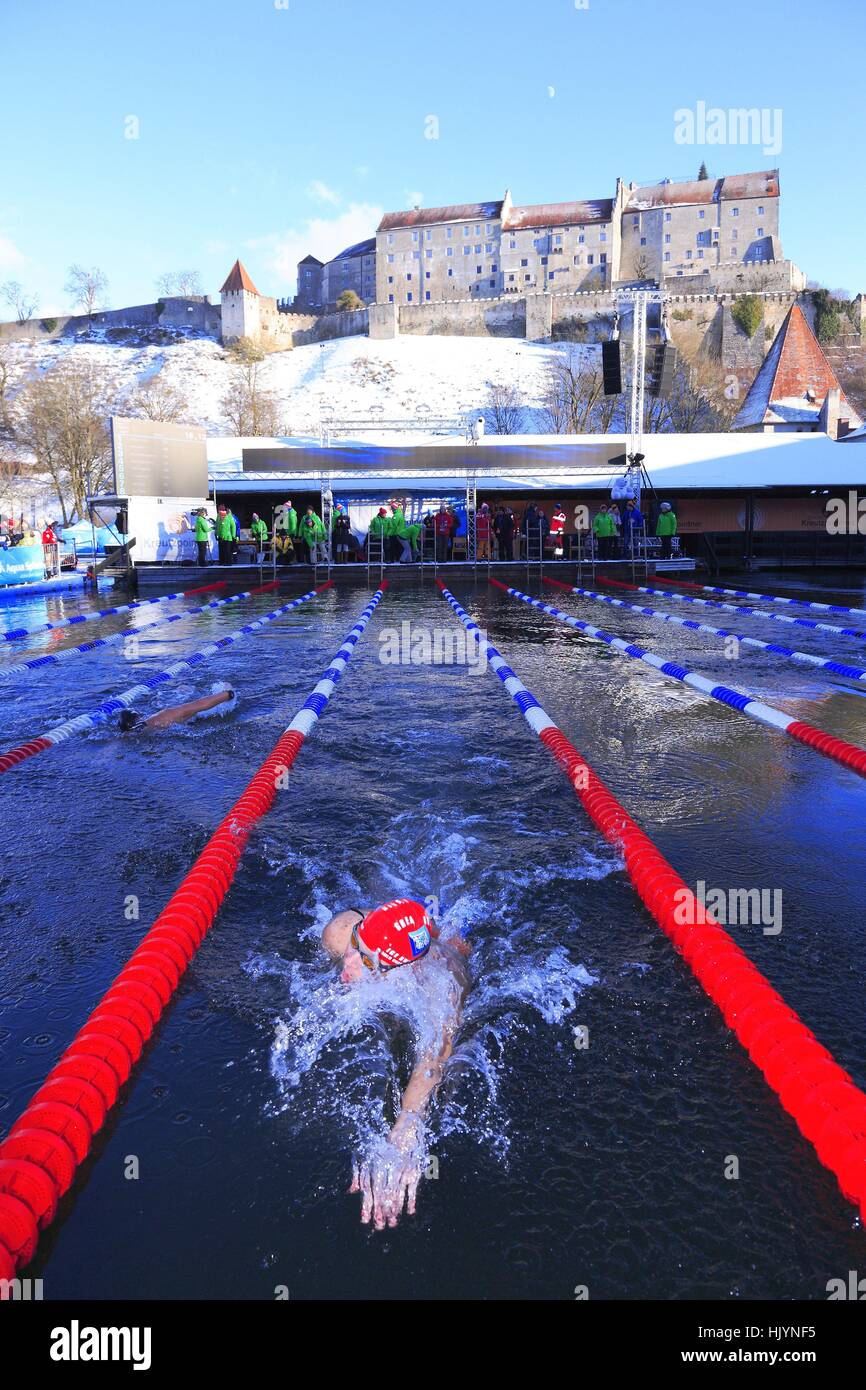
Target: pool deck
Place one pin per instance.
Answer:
(153, 579)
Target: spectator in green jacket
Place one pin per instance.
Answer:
(286, 519)
(312, 533)
(414, 534)
(259, 535)
(399, 533)
(203, 528)
(604, 530)
(666, 529)
(226, 534)
(378, 531)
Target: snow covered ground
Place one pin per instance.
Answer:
(407, 382)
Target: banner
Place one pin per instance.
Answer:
(21, 564)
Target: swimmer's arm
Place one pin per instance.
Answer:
(179, 713)
(425, 1077)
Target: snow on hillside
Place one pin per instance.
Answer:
(403, 381)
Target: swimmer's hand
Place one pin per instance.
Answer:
(388, 1179)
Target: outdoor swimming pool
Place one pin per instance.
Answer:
(556, 1166)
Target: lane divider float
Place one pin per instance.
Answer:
(839, 668)
(828, 1108)
(61, 732)
(742, 609)
(846, 753)
(765, 598)
(36, 663)
(107, 612)
(53, 1136)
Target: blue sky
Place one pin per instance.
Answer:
(267, 128)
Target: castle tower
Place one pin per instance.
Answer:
(241, 317)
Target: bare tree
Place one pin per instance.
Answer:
(640, 265)
(157, 399)
(185, 284)
(5, 382)
(249, 408)
(87, 289)
(574, 400)
(696, 403)
(504, 407)
(22, 303)
(61, 417)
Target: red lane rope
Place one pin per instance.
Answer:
(54, 1134)
(828, 1108)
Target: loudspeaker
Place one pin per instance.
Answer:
(611, 367)
(661, 367)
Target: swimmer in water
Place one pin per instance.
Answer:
(176, 714)
(395, 935)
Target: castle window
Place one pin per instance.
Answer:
(603, 258)
(429, 255)
(390, 299)
(527, 277)
(581, 239)
(688, 255)
(550, 275)
(478, 269)
(426, 274)
(667, 236)
(602, 236)
(590, 260)
(668, 216)
(467, 250)
(544, 260)
(409, 297)
(558, 239)
(493, 268)
(667, 255)
(511, 279)
(488, 247)
(643, 241)
(426, 294)
(635, 221)
(450, 273)
(414, 236)
(390, 279)
(760, 212)
(735, 212)
(391, 259)
(760, 231)
(409, 277)
(429, 236)
(702, 214)
(493, 284)
(449, 251)
(390, 238)
(448, 231)
(700, 255)
(513, 244)
(524, 261)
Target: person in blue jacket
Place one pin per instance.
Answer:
(632, 525)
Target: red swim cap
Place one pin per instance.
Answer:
(397, 932)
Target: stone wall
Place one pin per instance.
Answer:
(196, 314)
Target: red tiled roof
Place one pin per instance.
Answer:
(764, 184)
(794, 366)
(238, 279)
(459, 212)
(761, 185)
(559, 214)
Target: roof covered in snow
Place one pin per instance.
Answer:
(457, 212)
(559, 214)
(793, 381)
(701, 191)
(675, 462)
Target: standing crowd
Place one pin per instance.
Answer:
(614, 534)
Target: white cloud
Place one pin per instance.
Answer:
(323, 194)
(323, 237)
(414, 199)
(10, 257)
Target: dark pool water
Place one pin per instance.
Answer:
(557, 1167)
